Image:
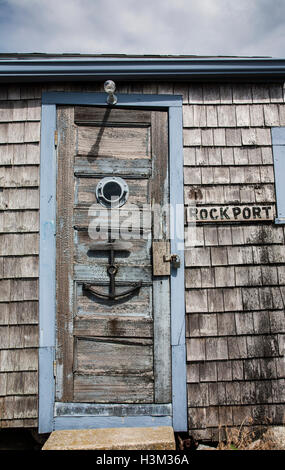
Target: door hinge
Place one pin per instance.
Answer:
(54, 368)
(55, 138)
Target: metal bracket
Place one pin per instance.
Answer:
(174, 260)
(55, 138)
(162, 259)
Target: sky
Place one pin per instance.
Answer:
(191, 27)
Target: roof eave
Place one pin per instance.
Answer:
(143, 68)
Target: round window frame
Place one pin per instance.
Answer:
(121, 200)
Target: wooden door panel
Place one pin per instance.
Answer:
(125, 273)
(64, 254)
(140, 304)
(113, 326)
(123, 220)
(111, 116)
(111, 350)
(85, 191)
(90, 165)
(112, 355)
(108, 142)
(130, 389)
(132, 252)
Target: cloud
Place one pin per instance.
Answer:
(202, 27)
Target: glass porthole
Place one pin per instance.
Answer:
(112, 191)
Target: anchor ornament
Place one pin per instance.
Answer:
(112, 270)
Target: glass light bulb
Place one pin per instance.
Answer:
(109, 86)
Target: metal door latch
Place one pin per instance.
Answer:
(162, 260)
(174, 260)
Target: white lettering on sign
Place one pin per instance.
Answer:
(231, 213)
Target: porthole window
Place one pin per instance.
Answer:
(112, 192)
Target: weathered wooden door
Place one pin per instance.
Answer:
(113, 314)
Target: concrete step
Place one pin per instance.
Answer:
(152, 438)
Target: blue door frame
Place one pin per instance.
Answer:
(47, 266)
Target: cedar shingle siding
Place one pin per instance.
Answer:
(235, 274)
(20, 112)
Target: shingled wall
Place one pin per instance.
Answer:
(20, 111)
(235, 273)
(235, 283)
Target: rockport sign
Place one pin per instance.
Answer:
(241, 213)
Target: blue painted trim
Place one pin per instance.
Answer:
(47, 268)
(278, 149)
(279, 221)
(104, 409)
(29, 67)
(47, 227)
(278, 135)
(179, 387)
(95, 422)
(179, 390)
(48, 256)
(46, 389)
(99, 99)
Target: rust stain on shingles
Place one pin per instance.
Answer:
(113, 327)
(195, 194)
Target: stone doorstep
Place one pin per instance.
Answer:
(152, 438)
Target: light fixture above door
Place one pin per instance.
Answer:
(110, 88)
